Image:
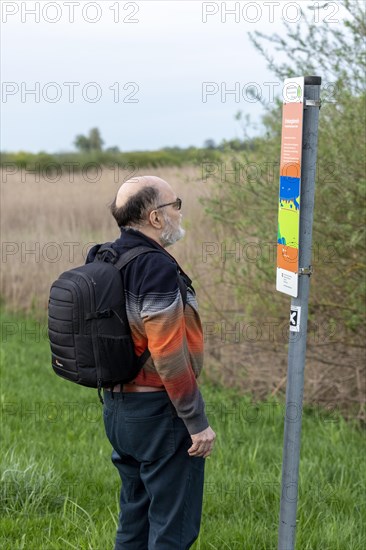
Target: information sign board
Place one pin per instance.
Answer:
(290, 185)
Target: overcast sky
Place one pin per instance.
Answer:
(148, 73)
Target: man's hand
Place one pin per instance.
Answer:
(202, 443)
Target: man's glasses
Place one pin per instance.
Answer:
(177, 204)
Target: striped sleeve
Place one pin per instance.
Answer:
(162, 313)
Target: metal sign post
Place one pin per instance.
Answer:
(299, 316)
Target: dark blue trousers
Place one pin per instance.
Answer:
(162, 486)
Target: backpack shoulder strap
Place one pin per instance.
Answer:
(127, 257)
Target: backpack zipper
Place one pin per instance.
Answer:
(94, 332)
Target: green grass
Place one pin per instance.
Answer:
(59, 489)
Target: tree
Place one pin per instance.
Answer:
(243, 202)
(336, 53)
(209, 144)
(93, 142)
(339, 232)
(82, 143)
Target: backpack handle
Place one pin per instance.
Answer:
(103, 251)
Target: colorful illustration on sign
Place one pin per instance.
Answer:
(289, 188)
(288, 223)
(289, 192)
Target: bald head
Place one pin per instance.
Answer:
(133, 186)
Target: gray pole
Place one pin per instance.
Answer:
(297, 340)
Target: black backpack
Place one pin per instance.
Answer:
(88, 330)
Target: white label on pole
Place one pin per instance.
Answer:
(295, 318)
(287, 282)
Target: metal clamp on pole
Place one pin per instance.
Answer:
(313, 103)
(306, 270)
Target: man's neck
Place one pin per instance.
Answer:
(144, 231)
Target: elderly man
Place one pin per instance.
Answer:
(157, 423)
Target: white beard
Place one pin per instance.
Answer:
(171, 233)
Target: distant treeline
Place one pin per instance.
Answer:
(169, 156)
(77, 161)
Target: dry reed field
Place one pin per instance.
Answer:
(47, 228)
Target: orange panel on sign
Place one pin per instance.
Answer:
(291, 140)
(287, 257)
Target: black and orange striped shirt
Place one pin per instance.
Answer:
(159, 321)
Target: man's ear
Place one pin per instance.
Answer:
(155, 220)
